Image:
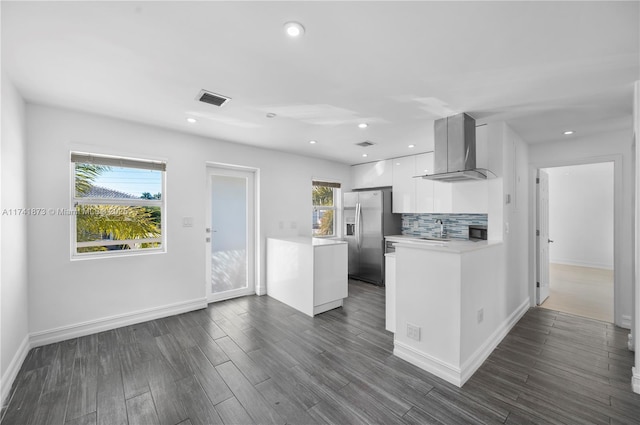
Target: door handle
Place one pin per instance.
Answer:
(550, 241)
(357, 229)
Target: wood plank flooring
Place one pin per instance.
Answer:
(254, 360)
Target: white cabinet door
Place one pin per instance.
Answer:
(482, 147)
(470, 197)
(424, 188)
(373, 174)
(443, 197)
(404, 185)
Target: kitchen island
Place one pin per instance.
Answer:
(449, 305)
(308, 274)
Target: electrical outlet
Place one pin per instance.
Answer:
(413, 332)
(480, 315)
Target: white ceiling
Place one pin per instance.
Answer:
(544, 67)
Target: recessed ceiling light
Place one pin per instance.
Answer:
(294, 29)
(271, 115)
(313, 142)
(568, 132)
(364, 155)
(411, 146)
(363, 125)
(191, 120)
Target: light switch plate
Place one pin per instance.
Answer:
(187, 221)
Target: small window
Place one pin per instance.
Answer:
(118, 205)
(325, 197)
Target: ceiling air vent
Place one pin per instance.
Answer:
(365, 144)
(212, 98)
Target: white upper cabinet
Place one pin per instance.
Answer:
(482, 147)
(417, 196)
(373, 174)
(443, 197)
(470, 197)
(424, 188)
(404, 185)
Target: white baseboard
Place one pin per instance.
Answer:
(470, 366)
(635, 380)
(107, 323)
(13, 369)
(446, 371)
(451, 373)
(569, 262)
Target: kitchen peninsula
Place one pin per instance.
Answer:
(308, 274)
(448, 304)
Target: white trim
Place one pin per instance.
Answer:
(635, 380)
(327, 306)
(450, 373)
(625, 322)
(14, 367)
(484, 351)
(446, 371)
(618, 195)
(569, 262)
(63, 333)
(254, 270)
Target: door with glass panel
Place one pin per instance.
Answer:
(230, 233)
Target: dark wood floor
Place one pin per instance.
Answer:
(254, 360)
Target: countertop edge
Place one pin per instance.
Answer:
(448, 246)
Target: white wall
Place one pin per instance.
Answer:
(614, 147)
(581, 215)
(14, 277)
(505, 295)
(65, 294)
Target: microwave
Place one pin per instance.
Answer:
(477, 233)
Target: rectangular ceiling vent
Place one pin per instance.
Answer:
(365, 144)
(212, 98)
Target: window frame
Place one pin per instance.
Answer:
(336, 208)
(75, 201)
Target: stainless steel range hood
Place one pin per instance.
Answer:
(455, 150)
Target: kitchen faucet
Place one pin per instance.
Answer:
(439, 221)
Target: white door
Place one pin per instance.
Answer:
(542, 239)
(230, 233)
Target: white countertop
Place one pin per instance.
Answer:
(453, 245)
(308, 240)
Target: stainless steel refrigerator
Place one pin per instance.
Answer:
(368, 219)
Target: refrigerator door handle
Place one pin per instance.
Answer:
(357, 229)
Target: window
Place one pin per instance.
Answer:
(117, 205)
(325, 197)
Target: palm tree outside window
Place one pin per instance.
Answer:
(325, 197)
(117, 205)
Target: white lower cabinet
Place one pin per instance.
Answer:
(307, 274)
(390, 290)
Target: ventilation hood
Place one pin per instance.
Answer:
(455, 150)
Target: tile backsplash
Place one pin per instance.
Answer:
(455, 225)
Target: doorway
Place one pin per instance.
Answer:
(230, 233)
(581, 240)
